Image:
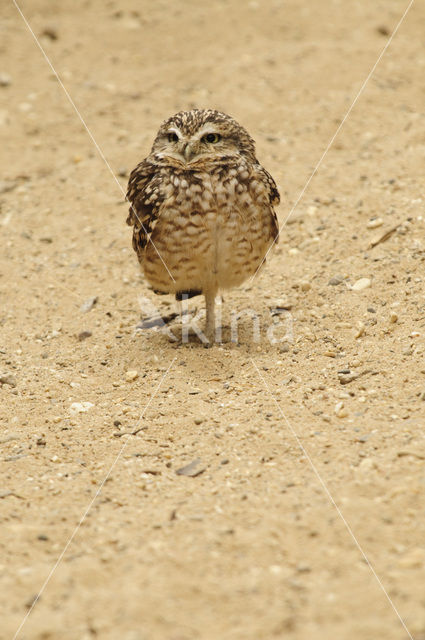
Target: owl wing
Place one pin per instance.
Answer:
(145, 197)
(272, 195)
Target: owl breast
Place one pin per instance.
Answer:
(212, 232)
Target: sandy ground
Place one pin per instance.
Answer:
(302, 474)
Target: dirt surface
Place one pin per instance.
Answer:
(293, 458)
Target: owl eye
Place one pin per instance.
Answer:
(173, 137)
(211, 137)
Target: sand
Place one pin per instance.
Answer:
(302, 514)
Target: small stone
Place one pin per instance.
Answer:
(415, 453)
(131, 375)
(280, 306)
(284, 348)
(345, 377)
(5, 80)
(190, 469)
(361, 284)
(88, 304)
(305, 286)
(374, 223)
(5, 187)
(360, 330)
(8, 379)
(383, 30)
(80, 407)
(363, 439)
(335, 281)
(339, 410)
(83, 335)
(50, 33)
(393, 317)
(31, 601)
(199, 420)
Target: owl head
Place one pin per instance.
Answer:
(202, 135)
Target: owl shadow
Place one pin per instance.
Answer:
(247, 327)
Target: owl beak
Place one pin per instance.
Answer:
(188, 151)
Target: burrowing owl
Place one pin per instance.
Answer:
(201, 208)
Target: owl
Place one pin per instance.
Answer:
(201, 208)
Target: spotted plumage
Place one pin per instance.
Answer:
(201, 207)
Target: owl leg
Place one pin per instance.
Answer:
(210, 307)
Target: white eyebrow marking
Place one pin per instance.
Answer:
(175, 130)
(206, 129)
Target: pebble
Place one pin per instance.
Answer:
(374, 223)
(339, 410)
(80, 407)
(360, 330)
(346, 377)
(50, 33)
(361, 284)
(335, 281)
(131, 375)
(415, 453)
(8, 379)
(83, 335)
(88, 304)
(305, 286)
(5, 187)
(383, 30)
(191, 469)
(5, 80)
(283, 304)
(393, 317)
